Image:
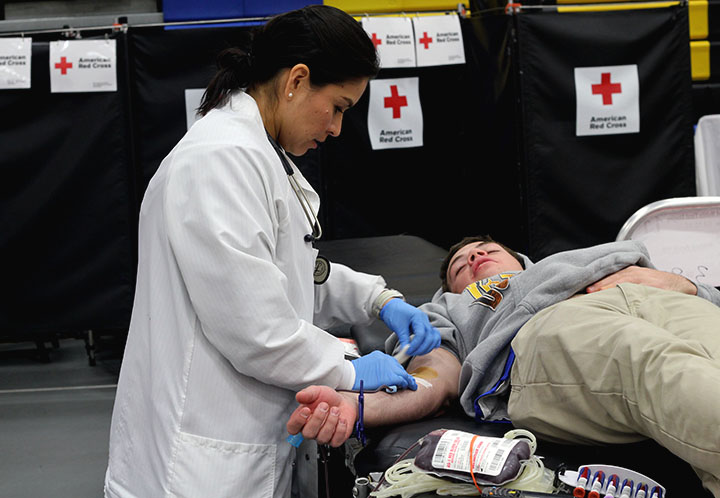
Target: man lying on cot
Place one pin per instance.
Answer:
(586, 346)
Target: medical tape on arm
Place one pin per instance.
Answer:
(422, 376)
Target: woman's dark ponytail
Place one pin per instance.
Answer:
(234, 72)
(330, 42)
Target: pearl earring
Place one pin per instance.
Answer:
(290, 94)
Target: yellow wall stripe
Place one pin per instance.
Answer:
(700, 60)
(616, 6)
(698, 12)
(575, 2)
(358, 16)
(408, 6)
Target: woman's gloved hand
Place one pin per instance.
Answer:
(378, 369)
(405, 320)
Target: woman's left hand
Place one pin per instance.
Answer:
(406, 320)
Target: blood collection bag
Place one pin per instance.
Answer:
(496, 460)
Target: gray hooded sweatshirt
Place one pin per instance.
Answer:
(478, 324)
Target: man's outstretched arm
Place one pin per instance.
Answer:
(329, 416)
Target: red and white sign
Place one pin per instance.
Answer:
(438, 40)
(393, 39)
(394, 114)
(608, 100)
(15, 58)
(83, 66)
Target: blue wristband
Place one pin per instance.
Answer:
(359, 431)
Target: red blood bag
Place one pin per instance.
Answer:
(496, 460)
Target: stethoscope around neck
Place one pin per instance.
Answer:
(299, 193)
(322, 265)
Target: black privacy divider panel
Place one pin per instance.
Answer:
(455, 185)
(67, 207)
(581, 189)
(164, 63)
(459, 183)
(500, 155)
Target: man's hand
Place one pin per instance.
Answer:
(324, 415)
(646, 276)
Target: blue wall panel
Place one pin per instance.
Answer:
(190, 10)
(257, 8)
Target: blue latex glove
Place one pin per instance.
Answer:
(405, 320)
(378, 369)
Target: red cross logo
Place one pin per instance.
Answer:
(63, 65)
(606, 89)
(376, 41)
(395, 101)
(426, 40)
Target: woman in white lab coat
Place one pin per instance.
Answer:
(227, 322)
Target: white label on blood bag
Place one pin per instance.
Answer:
(489, 453)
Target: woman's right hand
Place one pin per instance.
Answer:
(378, 369)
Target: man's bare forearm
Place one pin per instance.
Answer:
(436, 374)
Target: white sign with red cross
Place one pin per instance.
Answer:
(15, 57)
(394, 114)
(608, 100)
(393, 39)
(438, 40)
(83, 66)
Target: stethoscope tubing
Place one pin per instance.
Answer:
(299, 192)
(306, 207)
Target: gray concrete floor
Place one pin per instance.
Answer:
(55, 420)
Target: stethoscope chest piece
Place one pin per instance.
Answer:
(322, 270)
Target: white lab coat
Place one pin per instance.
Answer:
(222, 332)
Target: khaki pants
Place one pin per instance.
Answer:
(620, 365)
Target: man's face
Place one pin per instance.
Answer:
(477, 261)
